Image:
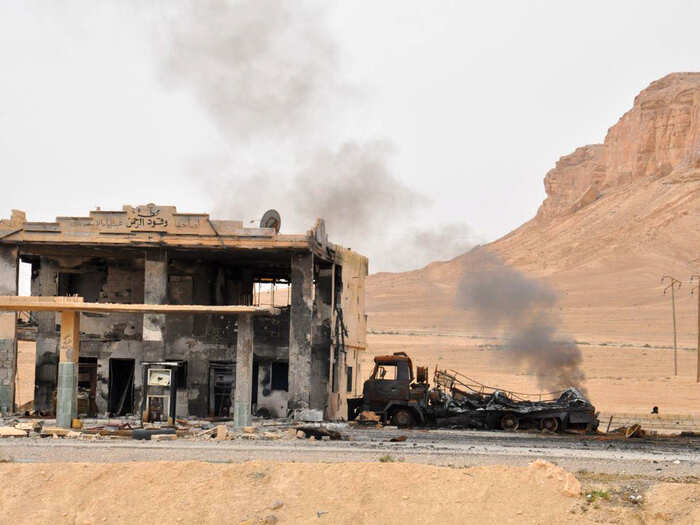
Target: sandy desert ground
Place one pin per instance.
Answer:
(339, 493)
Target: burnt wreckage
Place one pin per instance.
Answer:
(306, 336)
(456, 400)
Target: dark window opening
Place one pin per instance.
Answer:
(86, 285)
(67, 284)
(349, 373)
(280, 376)
(386, 373)
(180, 374)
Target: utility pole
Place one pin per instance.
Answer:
(697, 379)
(673, 284)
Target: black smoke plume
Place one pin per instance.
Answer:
(505, 300)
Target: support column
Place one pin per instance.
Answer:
(9, 267)
(69, 349)
(46, 339)
(155, 292)
(321, 338)
(300, 339)
(244, 372)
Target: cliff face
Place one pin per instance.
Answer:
(617, 217)
(658, 137)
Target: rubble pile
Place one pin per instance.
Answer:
(192, 430)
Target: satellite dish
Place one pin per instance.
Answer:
(271, 219)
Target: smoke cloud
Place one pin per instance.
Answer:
(423, 245)
(260, 67)
(504, 299)
(267, 73)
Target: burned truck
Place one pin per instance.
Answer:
(455, 400)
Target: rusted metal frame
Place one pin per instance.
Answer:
(480, 388)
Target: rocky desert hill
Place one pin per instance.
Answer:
(617, 217)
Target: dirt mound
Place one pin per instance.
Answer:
(354, 493)
(339, 493)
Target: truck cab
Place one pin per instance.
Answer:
(393, 392)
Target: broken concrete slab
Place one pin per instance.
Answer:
(308, 414)
(12, 432)
(320, 433)
(164, 437)
(54, 431)
(222, 433)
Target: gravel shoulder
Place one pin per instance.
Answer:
(666, 459)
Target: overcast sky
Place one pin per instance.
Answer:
(464, 106)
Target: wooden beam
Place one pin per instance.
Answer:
(70, 304)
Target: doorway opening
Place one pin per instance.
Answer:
(87, 386)
(121, 386)
(220, 388)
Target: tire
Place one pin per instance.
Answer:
(510, 422)
(549, 424)
(403, 417)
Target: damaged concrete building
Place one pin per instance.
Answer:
(305, 357)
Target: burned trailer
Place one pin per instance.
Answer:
(455, 400)
(458, 400)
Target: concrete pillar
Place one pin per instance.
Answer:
(9, 267)
(155, 292)
(300, 339)
(46, 338)
(244, 372)
(69, 349)
(321, 337)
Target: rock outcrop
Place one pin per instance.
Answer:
(658, 137)
(617, 217)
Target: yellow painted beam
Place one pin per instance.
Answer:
(75, 304)
(69, 345)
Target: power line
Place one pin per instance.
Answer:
(673, 284)
(697, 379)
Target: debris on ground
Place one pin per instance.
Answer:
(320, 433)
(631, 431)
(12, 432)
(221, 433)
(367, 416)
(164, 437)
(308, 414)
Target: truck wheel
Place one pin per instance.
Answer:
(510, 422)
(551, 424)
(403, 418)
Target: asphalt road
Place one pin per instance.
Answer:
(677, 458)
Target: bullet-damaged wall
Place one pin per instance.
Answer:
(46, 371)
(300, 334)
(8, 329)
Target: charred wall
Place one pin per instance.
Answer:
(197, 340)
